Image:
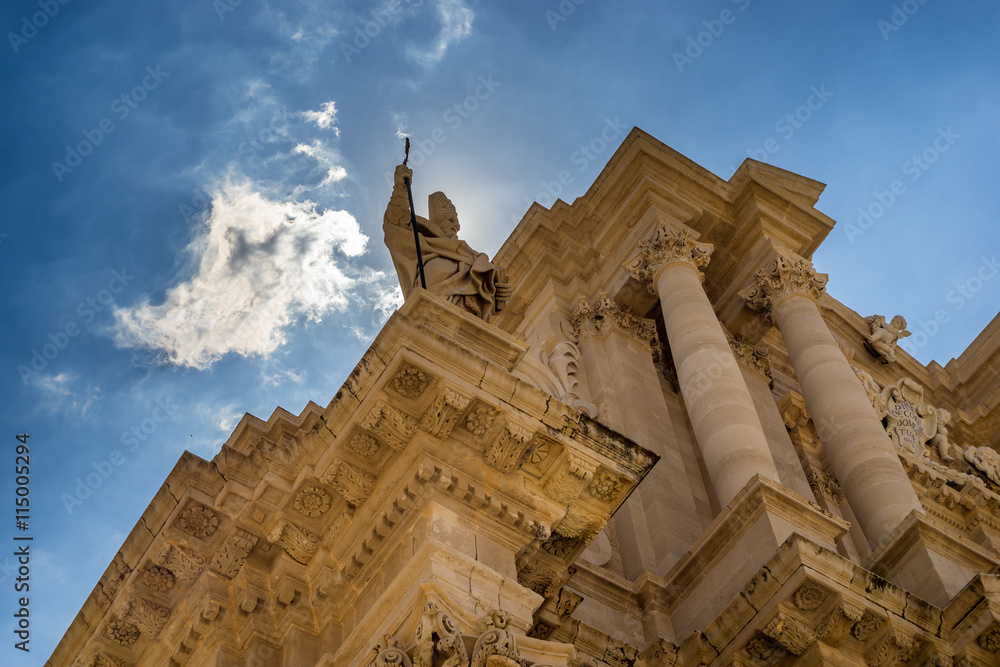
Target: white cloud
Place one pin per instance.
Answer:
(327, 159)
(456, 24)
(325, 118)
(61, 395)
(261, 265)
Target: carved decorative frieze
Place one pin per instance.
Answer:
(353, 484)
(667, 246)
(438, 640)
(986, 460)
(312, 501)
(444, 413)
(506, 451)
(826, 486)
(297, 542)
(100, 659)
(159, 579)
(882, 340)
(122, 632)
(363, 444)
(148, 616)
(894, 647)
(233, 553)
(410, 381)
(786, 274)
(199, 521)
(393, 427)
(761, 647)
(566, 483)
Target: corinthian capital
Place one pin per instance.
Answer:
(786, 274)
(667, 246)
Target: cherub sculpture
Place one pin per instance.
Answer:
(883, 337)
(453, 270)
(986, 460)
(936, 429)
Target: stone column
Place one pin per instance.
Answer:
(859, 450)
(719, 405)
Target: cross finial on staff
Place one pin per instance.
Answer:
(406, 157)
(413, 219)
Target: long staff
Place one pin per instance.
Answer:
(413, 219)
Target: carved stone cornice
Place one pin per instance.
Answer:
(668, 245)
(787, 274)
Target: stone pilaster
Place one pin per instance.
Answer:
(721, 409)
(862, 457)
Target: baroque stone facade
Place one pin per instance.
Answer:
(671, 447)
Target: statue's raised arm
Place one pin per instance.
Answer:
(453, 270)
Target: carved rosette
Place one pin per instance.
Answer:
(787, 274)
(353, 484)
(606, 486)
(444, 413)
(506, 451)
(198, 521)
(395, 428)
(990, 640)
(410, 381)
(312, 501)
(363, 444)
(159, 579)
(233, 553)
(480, 420)
(121, 632)
(668, 245)
(809, 596)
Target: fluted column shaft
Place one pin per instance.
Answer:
(855, 442)
(719, 405)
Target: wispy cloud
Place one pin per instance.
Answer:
(262, 264)
(456, 24)
(325, 118)
(61, 395)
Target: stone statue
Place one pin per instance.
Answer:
(985, 460)
(936, 429)
(883, 337)
(453, 270)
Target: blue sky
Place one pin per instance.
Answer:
(193, 192)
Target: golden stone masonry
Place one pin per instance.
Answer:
(642, 435)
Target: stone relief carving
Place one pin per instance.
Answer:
(986, 460)
(395, 428)
(444, 413)
(353, 484)
(184, 563)
(298, 543)
(233, 553)
(496, 646)
(199, 521)
(755, 358)
(480, 420)
(410, 381)
(122, 633)
(159, 579)
(363, 444)
(149, 617)
(312, 501)
(388, 653)
(668, 245)
(564, 361)
(883, 337)
(505, 452)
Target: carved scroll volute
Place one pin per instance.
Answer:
(786, 274)
(389, 653)
(495, 646)
(437, 638)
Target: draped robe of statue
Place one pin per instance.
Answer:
(454, 271)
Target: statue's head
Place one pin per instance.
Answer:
(899, 322)
(442, 215)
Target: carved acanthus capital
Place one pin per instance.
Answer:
(606, 315)
(786, 274)
(667, 246)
